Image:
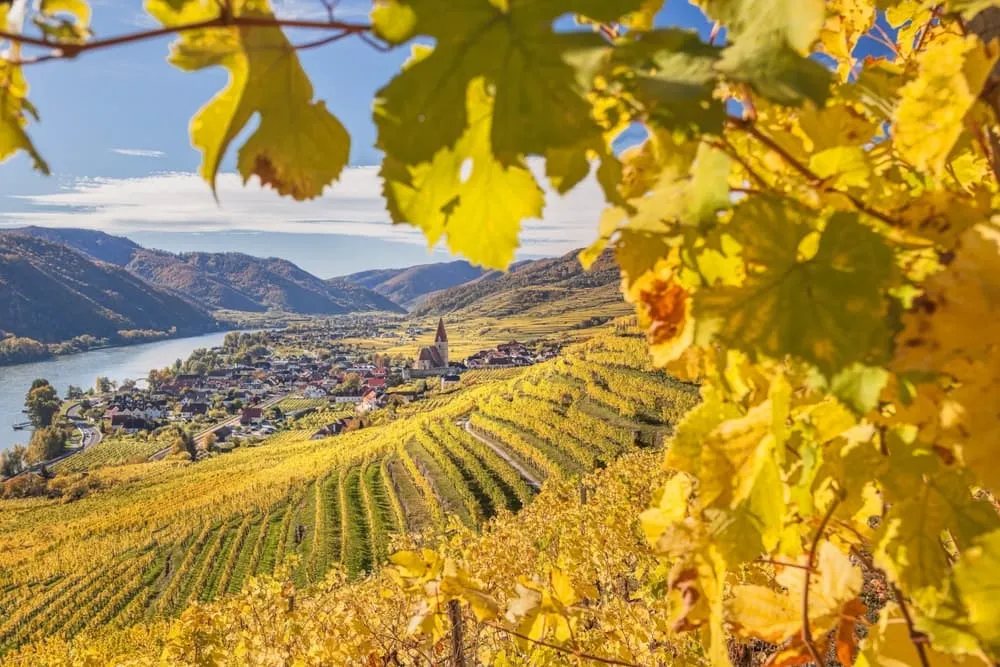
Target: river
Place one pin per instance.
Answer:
(117, 363)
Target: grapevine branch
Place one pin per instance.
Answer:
(919, 639)
(224, 20)
(813, 180)
(562, 649)
(807, 637)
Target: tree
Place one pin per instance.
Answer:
(350, 385)
(42, 403)
(102, 385)
(805, 228)
(182, 443)
(74, 392)
(46, 443)
(127, 384)
(12, 460)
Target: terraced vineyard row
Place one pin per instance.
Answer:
(167, 534)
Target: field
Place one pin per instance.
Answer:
(162, 535)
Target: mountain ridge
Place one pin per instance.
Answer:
(220, 281)
(51, 293)
(409, 286)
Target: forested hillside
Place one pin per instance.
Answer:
(529, 283)
(51, 293)
(229, 281)
(409, 286)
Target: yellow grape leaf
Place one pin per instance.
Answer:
(889, 644)
(843, 166)
(846, 22)
(480, 214)
(929, 119)
(977, 575)
(838, 125)
(671, 508)
(15, 109)
(926, 500)
(79, 9)
(827, 309)
(299, 147)
(642, 18)
(758, 611)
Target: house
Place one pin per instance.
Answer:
(449, 380)
(222, 434)
(333, 428)
(249, 415)
(130, 423)
(314, 392)
(369, 401)
(191, 410)
(375, 382)
(187, 380)
(347, 398)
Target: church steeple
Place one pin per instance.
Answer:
(441, 343)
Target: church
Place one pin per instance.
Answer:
(435, 356)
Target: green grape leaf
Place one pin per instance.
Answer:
(978, 577)
(15, 110)
(828, 309)
(672, 74)
(480, 214)
(909, 543)
(769, 38)
(859, 386)
(298, 147)
(539, 77)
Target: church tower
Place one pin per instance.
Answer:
(441, 343)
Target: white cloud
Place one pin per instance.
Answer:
(138, 152)
(182, 202)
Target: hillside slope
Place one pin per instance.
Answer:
(526, 284)
(116, 250)
(229, 281)
(410, 286)
(52, 293)
(235, 281)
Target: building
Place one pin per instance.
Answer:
(434, 356)
(433, 359)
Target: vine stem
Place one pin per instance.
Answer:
(224, 20)
(562, 649)
(813, 180)
(807, 637)
(917, 638)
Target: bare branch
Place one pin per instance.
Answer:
(562, 649)
(807, 637)
(224, 20)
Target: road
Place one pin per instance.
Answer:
(89, 436)
(199, 437)
(525, 473)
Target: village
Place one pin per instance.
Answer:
(256, 384)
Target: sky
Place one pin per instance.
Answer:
(114, 130)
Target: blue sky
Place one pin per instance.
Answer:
(114, 131)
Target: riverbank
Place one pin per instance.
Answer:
(35, 351)
(116, 363)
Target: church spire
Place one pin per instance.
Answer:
(442, 336)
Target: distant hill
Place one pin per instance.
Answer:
(526, 284)
(235, 281)
(105, 247)
(409, 286)
(229, 281)
(52, 293)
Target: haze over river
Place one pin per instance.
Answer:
(118, 363)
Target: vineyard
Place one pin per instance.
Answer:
(113, 450)
(163, 535)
